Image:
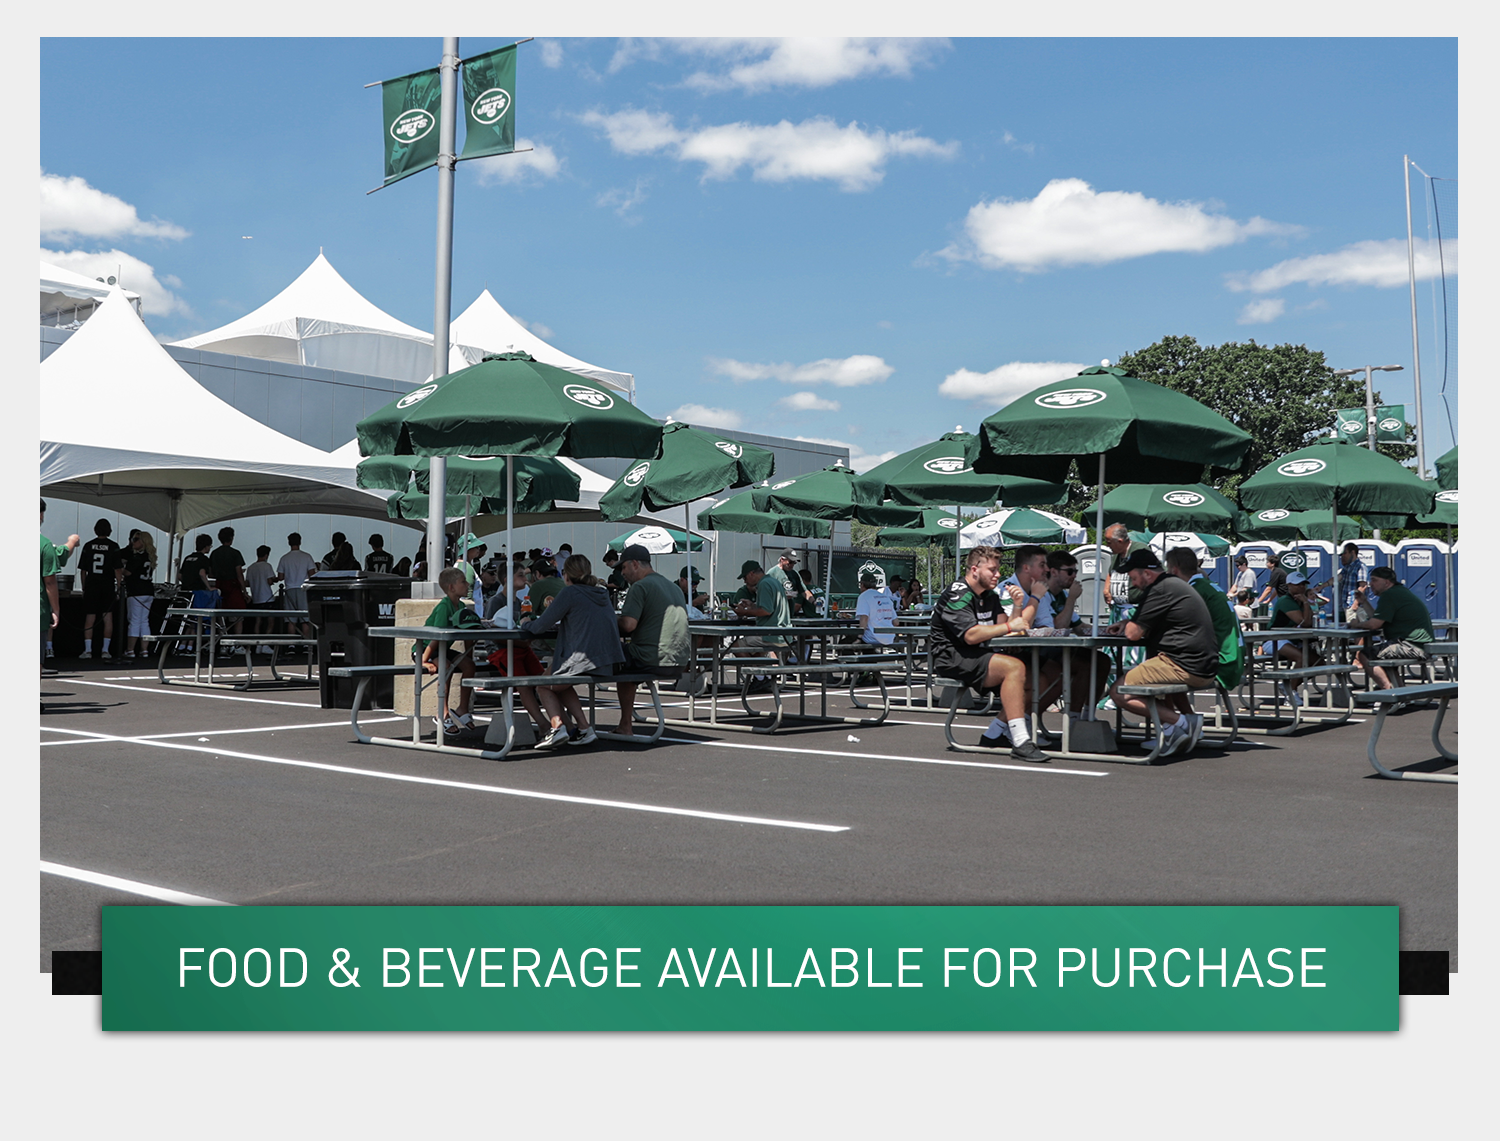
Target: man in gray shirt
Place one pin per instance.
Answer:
(655, 619)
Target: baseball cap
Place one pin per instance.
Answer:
(696, 576)
(1141, 560)
(790, 555)
(635, 553)
(1294, 578)
(748, 566)
(867, 579)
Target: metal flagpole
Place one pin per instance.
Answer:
(437, 484)
(510, 562)
(687, 541)
(1099, 548)
(1411, 273)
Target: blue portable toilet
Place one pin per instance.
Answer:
(1421, 565)
(1320, 559)
(1374, 553)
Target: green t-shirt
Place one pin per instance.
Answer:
(543, 591)
(1405, 616)
(660, 637)
(444, 616)
(1226, 630)
(49, 567)
(1281, 610)
(770, 594)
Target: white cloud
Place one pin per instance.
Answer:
(1010, 140)
(551, 53)
(809, 402)
(157, 298)
(622, 200)
(841, 372)
(1000, 386)
(758, 64)
(73, 210)
(859, 459)
(541, 162)
(1071, 223)
(817, 148)
(1379, 263)
(535, 326)
(1261, 312)
(708, 417)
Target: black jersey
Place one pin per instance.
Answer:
(138, 573)
(959, 608)
(380, 562)
(97, 559)
(187, 576)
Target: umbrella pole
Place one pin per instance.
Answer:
(1098, 588)
(468, 503)
(687, 541)
(1338, 595)
(510, 564)
(1448, 560)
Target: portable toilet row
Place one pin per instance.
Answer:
(1422, 565)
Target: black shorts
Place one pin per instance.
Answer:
(971, 671)
(99, 601)
(632, 665)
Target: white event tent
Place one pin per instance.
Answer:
(125, 427)
(323, 321)
(485, 327)
(65, 292)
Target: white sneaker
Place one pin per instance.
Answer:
(106, 656)
(128, 656)
(1291, 695)
(50, 654)
(554, 738)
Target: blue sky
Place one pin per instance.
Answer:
(865, 242)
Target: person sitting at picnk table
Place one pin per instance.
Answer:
(1401, 622)
(1183, 563)
(1293, 610)
(655, 620)
(449, 614)
(1178, 633)
(875, 612)
(965, 618)
(768, 608)
(587, 642)
(1065, 590)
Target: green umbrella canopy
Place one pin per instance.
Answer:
(1333, 471)
(738, 513)
(693, 464)
(1277, 524)
(1147, 433)
(509, 404)
(937, 527)
(1444, 512)
(1184, 507)
(829, 494)
(1447, 469)
(537, 477)
(657, 540)
(941, 473)
(415, 504)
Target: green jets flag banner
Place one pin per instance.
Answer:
(1390, 423)
(1352, 425)
(489, 103)
(410, 105)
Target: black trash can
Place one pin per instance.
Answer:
(342, 606)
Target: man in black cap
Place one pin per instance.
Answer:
(693, 596)
(767, 608)
(1178, 632)
(799, 599)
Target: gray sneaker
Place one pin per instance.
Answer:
(1028, 752)
(557, 737)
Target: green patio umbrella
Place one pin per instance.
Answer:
(417, 504)
(1169, 507)
(540, 480)
(1331, 474)
(1447, 469)
(657, 540)
(936, 527)
(1279, 525)
(693, 464)
(739, 514)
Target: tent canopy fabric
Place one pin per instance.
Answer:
(322, 320)
(485, 327)
(177, 442)
(63, 291)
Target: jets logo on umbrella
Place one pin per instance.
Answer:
(637, 473)
(588, 397)
(947, 465)
(412, 125)
(491, 106)
(412, 397)
(733, 451)
(1183, 498)
(783, 483)
(1447, 497)
(1272, 515)
(1070, 398)
(950, 523)
(1302, 467)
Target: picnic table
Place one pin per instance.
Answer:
(1334, 645)
(1387, 700)
(209, 631)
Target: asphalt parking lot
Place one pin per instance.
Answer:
(265, 798)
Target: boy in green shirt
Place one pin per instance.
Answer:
(448, 615)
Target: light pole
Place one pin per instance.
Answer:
(1369, 394)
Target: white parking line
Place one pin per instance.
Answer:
(165, 894)
(217, 732)
(469, 787)
(197, 693)
(888, 757)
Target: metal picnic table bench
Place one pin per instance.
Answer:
(207, 635)
(1388, 699)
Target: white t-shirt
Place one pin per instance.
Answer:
(258, 577)
(294, 568)
(1245, 581)
(876, 605)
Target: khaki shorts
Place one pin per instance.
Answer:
(1162, 670)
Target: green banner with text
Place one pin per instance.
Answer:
(410, 108)
(489, 103)
(750, 968)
